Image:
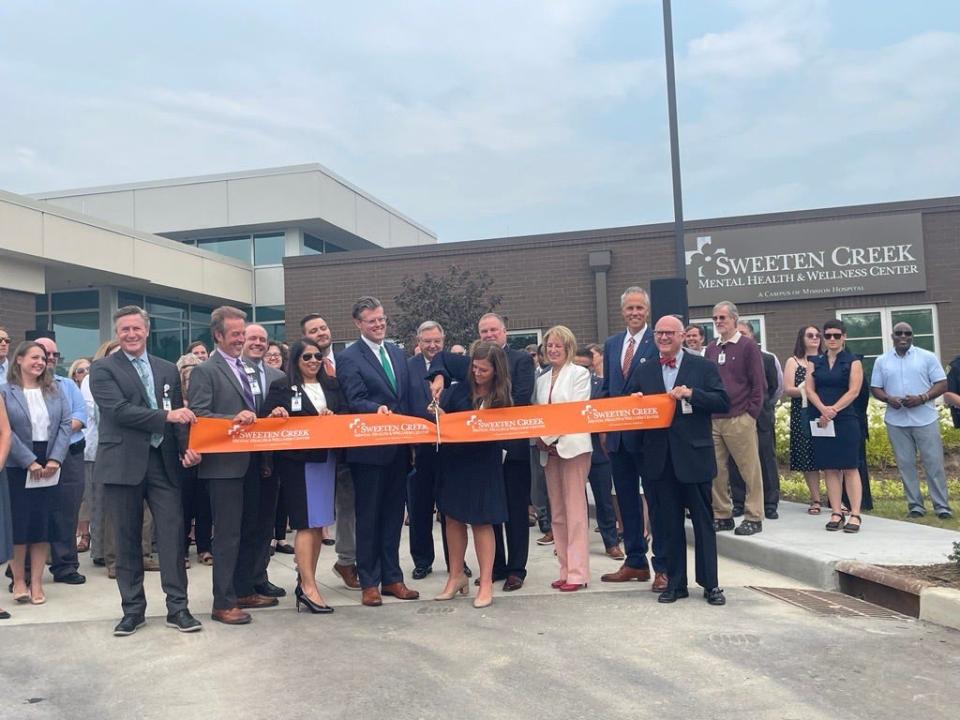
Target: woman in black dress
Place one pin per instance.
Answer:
(795, 371)
(832, 388)
(6, 519)
(471, 474)
(307, 477)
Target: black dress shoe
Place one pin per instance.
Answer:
(737, 511)
(99, 562)
(129, 624)
(287, 548)
(723, 524)
(72, 578)
(669, 596)
(748, 527)
(771, 514)
(268, 589)
(329, 542)
(419, 573)
(183, 621)
(714, 596)
(513, 582)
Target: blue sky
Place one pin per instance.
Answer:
(493, 118)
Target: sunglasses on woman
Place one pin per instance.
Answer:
(311, 356)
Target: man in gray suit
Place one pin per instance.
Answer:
(142, 444)
(221, 388)
(260, 377)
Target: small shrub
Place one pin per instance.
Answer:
(955, 555)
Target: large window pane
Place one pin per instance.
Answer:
(312, 245)
(920, 320)
(268, 249)
(519, 339)
(239, 248)
(83, 300)
(167, 338)
(161, 307)
(41, 304)
(269, 313)
(863, 324)
(128, 298)
(78, 335)
(276, 331)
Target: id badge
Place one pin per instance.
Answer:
(721, 358)
(685, 407)
(167, 405)
(296, 404)
(255, 386)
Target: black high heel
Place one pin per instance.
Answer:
(312, 606)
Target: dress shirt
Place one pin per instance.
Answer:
(911, 374)
(232, 362)
(670, 373)
(636, 342)
(78, 406)
(4, 366)
(375, 348)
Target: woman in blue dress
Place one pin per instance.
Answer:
(472, 490)
(832, 388)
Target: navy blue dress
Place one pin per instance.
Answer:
(471, 474)
(840, 452)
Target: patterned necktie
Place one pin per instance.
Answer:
(141, 365)
(245, 384)
(328, 368)
(391, 378)
(628, 358)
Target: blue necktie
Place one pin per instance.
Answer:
(141, 365)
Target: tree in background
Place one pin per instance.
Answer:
(455, 300)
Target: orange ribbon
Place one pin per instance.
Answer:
(214, 435)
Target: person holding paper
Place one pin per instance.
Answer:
(795, 371)
(831, 389)
(39, 415)
(308, 476)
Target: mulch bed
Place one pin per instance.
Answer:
(943, 575)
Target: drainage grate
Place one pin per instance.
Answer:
(822, 602)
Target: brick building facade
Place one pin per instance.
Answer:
(548, 279)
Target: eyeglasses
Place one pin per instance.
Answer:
(903, 333)
(666, 333)
(80, 371)
(4, 341)
(812, 336)
(833, 335)
(55, 356)
(375, 321)
(311, 356)
(273, 356)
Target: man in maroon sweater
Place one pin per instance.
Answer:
(735, 432)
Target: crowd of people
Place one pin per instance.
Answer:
(98, 461)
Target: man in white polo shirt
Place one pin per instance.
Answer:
(908, 379)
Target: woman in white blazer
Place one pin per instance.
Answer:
(566, 460)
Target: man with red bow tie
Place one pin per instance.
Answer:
(679, 460)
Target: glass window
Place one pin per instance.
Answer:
(268, 249)
(757, 324)
(167, 338)
(868, 331)
(519, 339)
(78, 335)
(276, 331)
(200, 314)
(269, 313)
(239, 247)
(312, 245)
(921, 320)
(128, 298)
(161, 307)
(329, 247)
(42, 303)
(83, 300)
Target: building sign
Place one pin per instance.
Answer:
(831, 258)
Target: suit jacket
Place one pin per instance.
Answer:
(280, 395)
(614, 382)
(365, 388)
(765, 419)
(689, 438)
(215, 391)
(572, 384)
(18, 412)
(127, 420)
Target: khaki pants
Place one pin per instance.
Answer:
(736, 437)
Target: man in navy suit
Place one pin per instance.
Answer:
(679, 461)
(623, 354)
(374, 377)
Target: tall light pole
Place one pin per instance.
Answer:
(681, 268)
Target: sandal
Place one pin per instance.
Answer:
(850, 527)
(83, 544)
(835, 525)
(814, 508)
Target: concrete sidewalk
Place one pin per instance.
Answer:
(797, 545)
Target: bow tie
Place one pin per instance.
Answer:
(668, 362)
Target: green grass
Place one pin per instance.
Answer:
(888, 499)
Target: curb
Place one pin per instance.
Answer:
(940, 605)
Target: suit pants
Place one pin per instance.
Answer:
(235, 503)
(601, 484)
(567, 485)
(539, 497)
(626, 466)
(380, 494)
(421, 499)
(196, 509)
(124, 506)
(63, 552)
(769, 471)
(511, 559)
(736, 437)
(266, 519)
(345, 507)
(674, 497)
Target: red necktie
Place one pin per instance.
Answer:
(328, 368)
(628, 358)
(668, 361)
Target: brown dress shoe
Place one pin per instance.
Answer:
(371, 597)
(660, 582)
(256, 601)
(231, 616)
(512, 583)
(626, 574)
(615, 552)
(400, 591)
(348, 574)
